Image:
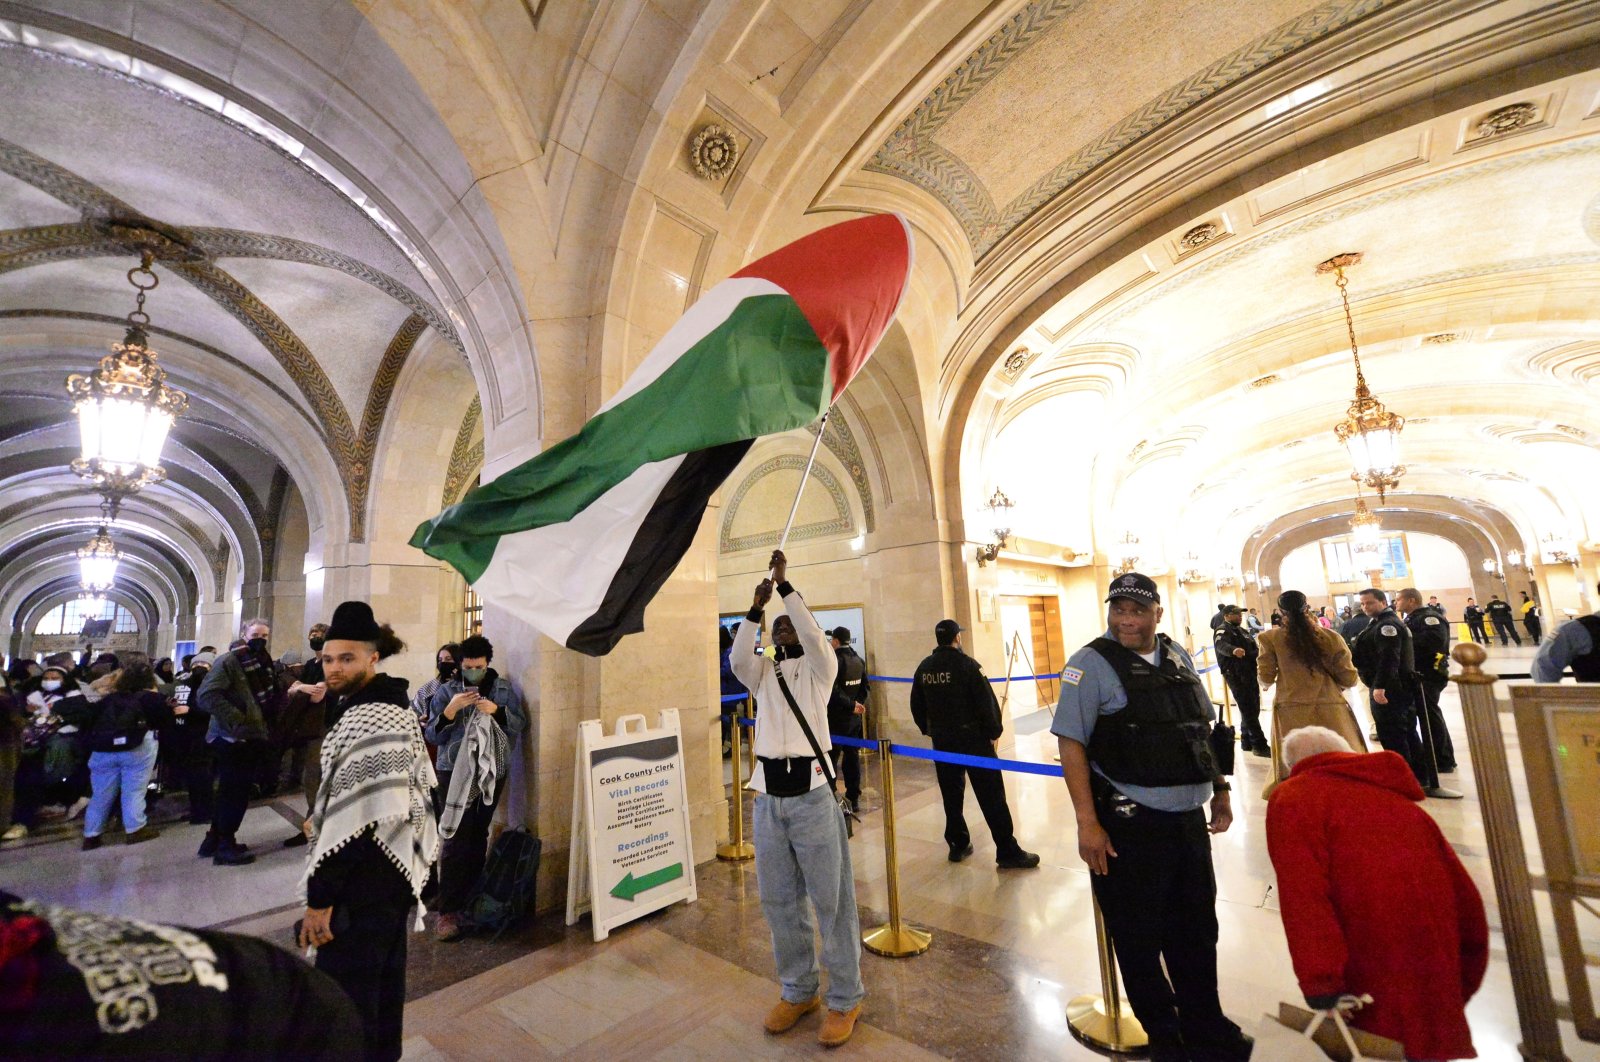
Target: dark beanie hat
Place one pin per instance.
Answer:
(353, 622)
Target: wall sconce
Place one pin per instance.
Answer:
(999, 509)
(1130, 554)
(1192, 572)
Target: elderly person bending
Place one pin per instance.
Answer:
(1374, 900)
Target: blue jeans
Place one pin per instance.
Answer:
(802, 851)
(124, 772)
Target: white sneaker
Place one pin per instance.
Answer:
(16, 833)
(77, 807)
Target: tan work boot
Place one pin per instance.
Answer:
(783, 1017)
(838, 1025)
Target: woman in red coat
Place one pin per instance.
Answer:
(1374, 900)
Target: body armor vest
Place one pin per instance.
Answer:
(1162, 737)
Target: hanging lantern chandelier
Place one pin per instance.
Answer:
(1368, 432)
(97, 561)
(1365, 528)
(94, 604)
(124, 407)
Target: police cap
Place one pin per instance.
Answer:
(1135, 587)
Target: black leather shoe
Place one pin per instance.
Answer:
(958, 854)
(208, 846)
(297, 841)
(232, 856)
(1019, 861)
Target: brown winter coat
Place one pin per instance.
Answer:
(1307, 696)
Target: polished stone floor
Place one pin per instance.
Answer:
(1010, 947)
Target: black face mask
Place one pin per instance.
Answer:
(446, 668)
(316, 645)
(257, 644)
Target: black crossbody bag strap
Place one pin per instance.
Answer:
(816, 748)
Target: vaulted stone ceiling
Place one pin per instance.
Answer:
(285, 310)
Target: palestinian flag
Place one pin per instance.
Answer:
(578, 539)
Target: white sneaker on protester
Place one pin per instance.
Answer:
(16, 833)
(77, 808)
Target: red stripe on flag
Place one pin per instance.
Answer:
(848, 280)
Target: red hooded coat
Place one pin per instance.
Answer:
(1374, 900)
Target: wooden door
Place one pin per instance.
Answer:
(1044, 614)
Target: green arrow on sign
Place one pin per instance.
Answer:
(630, 886)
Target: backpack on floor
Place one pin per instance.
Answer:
(505, 891)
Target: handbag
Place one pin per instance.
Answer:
(816, 748)
(1330, 1032)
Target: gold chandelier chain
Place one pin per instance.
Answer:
(1350, 327)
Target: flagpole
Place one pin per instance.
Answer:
(822, 425)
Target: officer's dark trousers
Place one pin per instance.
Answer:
(1241, 680)
(1160, 906)
(1479, 635)
(847, 761)
(1397, 732)
(1506, 629)
(1443, 748)
(1535, 628)
(987, 786)
(368, 960)
(463, 854)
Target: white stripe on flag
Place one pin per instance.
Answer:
(704, 317)
(556, 576)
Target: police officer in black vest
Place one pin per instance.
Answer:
(1575, 644)
(1504, 619)
(1473, 616)
(846, 709)
(954, 704)
(1384, 656)
(1134, 724)
(1430, 650)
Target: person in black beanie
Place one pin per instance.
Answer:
(373, 834)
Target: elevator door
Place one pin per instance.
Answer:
(1032, 630)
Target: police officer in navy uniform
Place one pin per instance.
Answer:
(1134, 724)
(953, 703)
(846, 709)
(1384, 656)
(1430, 650)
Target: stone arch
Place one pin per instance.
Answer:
(837, 519)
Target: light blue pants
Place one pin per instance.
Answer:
(802, 852)
(125, 773)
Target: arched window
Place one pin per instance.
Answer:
(69, 617)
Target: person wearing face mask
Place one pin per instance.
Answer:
(184, 743)
(308, 715)
(239, 694)
(447, 661)
(476, 689)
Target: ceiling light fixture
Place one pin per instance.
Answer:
(1368, 432)
(1192, 572)
(125, 409)
(97, 562)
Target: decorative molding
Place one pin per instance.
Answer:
(379, 393)
(841, 442)
(840, 523)
(465, 456)
(713, 152)
(1265, 381)
(912, 154)
(1441, 338)
(1202, 234)
(268, 527)
(1015, 363)
(1507, 119)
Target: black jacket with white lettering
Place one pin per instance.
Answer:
(1383, 654)
(950, 697)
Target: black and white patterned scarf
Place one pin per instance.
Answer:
(375, 772)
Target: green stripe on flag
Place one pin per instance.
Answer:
(763, 370)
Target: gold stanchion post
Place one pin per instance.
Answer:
(738, 850)
(893, 940)
(1105, 1020)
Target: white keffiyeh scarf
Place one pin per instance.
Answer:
(479, 765)
(375, 772)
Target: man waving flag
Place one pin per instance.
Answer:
(578, 539)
